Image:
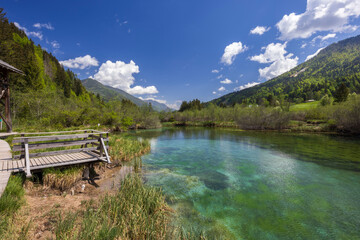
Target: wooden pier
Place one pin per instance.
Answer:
(71, 148)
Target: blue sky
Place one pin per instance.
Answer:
(180, 50)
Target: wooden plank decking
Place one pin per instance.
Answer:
(50, 161)
(5, 157)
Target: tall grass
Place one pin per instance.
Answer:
(11, 200)
(136, 211)
(62, 179)
(126, 149)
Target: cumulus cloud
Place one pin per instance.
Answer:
(259, 30)
(139, 90)
(226, 81)
(231, 51)
(80, 62)
(279, 59)
(313, 55)
(215, 71)
(29, 33)
(120, 75)
(213, 92)
(248, 85)
(55, 44)
(320, 15)
(44, 25)
(221, 89)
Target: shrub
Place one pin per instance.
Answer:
(260, 118)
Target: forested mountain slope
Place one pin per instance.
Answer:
(335, 64)
(110, 93)
(50, 96)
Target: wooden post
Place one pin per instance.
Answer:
(27, 159)
(105, 150)
(101, 146)
(7, 110)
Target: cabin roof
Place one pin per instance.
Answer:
(9, 67)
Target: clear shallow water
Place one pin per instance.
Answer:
(251, 185)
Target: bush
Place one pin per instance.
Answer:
(347, 116)
(261, 118)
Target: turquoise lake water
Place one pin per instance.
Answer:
(254, 185)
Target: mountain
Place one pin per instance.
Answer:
(338, 63)
(110, 93)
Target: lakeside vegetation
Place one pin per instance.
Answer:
(11, 201)
(325, 115)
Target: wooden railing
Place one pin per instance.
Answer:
(57, 140)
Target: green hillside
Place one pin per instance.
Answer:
(48, 96)
(336, 64)
(109, 93)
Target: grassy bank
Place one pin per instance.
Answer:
(126, 149)
(10, 202)
(318, 116)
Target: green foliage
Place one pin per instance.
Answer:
(326, 100)
(341, 93)
(347, 116)
(261, 118)
(191, 105)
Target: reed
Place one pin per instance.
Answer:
(126, 149)
(136, 211)
(62, 179)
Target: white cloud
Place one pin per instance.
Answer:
(120, 75)
(175, 105)
(215, 71)
(80, 62)
(323, 38)
(248, 85)
(44, 25)
(279, 59)
(153, 99)
(55, 44)
(139, 90)
(220, 76)
(313, 55)
(221, 89)
(259, 30)
(231, 51)
(29, 33)
(304, 45)
(226, 81)
(330, 35)
(214, 92)
(320, 15)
